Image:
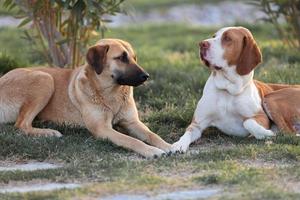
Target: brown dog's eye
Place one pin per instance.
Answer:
(123, 57)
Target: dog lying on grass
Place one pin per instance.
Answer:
(97, 95)
(232, 101)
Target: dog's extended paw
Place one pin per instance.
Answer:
(38, 132)
(264, 135)
(166, 147)
(50, 133)
(179, 147)
(154, 152)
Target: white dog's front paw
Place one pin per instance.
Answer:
(265, 134)
(179, 147)
(182, 145)
(258, 131)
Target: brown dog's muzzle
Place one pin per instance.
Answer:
(133, 76)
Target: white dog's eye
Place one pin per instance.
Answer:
(227, 39)
(214, 36)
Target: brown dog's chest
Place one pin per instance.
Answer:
(117, 106)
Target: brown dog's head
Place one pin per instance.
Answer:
(116, 59)
(231, 46)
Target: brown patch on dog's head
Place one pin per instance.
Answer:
(116, 59)
(96, 57)
(241, 50)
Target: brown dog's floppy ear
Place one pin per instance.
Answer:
(250, 56)
(96, 57)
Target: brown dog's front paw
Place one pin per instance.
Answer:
(166, 148)
(153, 152)
(52, 133)
(42, 132)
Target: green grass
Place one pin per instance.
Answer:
(244, 168)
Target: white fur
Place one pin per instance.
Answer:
(183, 144)
(228, 102)
(8, 112)
(257, 130)
(215, 52)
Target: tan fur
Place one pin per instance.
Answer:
(282, 104)
(232, 42)
(262, 119)
(83, 97)
(241, 50)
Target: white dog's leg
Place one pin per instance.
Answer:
(192, 133)
(258, 131)
(201, 120)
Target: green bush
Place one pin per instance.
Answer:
(7, 63)
(289, 10)
(62, 28)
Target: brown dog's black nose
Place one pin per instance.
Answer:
(144, 76)
(204, 45)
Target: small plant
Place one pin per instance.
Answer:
(289, 10)
(63, 27)
(7, 63)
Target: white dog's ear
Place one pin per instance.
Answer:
(96, 57)
(250, 56)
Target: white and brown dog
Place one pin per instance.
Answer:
(232, 101)
(97, 95)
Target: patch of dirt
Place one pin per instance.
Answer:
(27, 165)
(175, 195)
(293, 186)
(259, 163)
(36, 185)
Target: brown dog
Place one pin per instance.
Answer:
(96, 95)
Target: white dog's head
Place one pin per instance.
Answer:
(231, 47)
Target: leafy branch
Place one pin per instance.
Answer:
(289, 10)
(63, 28)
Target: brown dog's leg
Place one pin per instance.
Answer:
(142, 132)
(129, 142)
(38, 97)
(99, 124)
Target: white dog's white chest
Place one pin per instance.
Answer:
(227, 117)
(228, 112)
